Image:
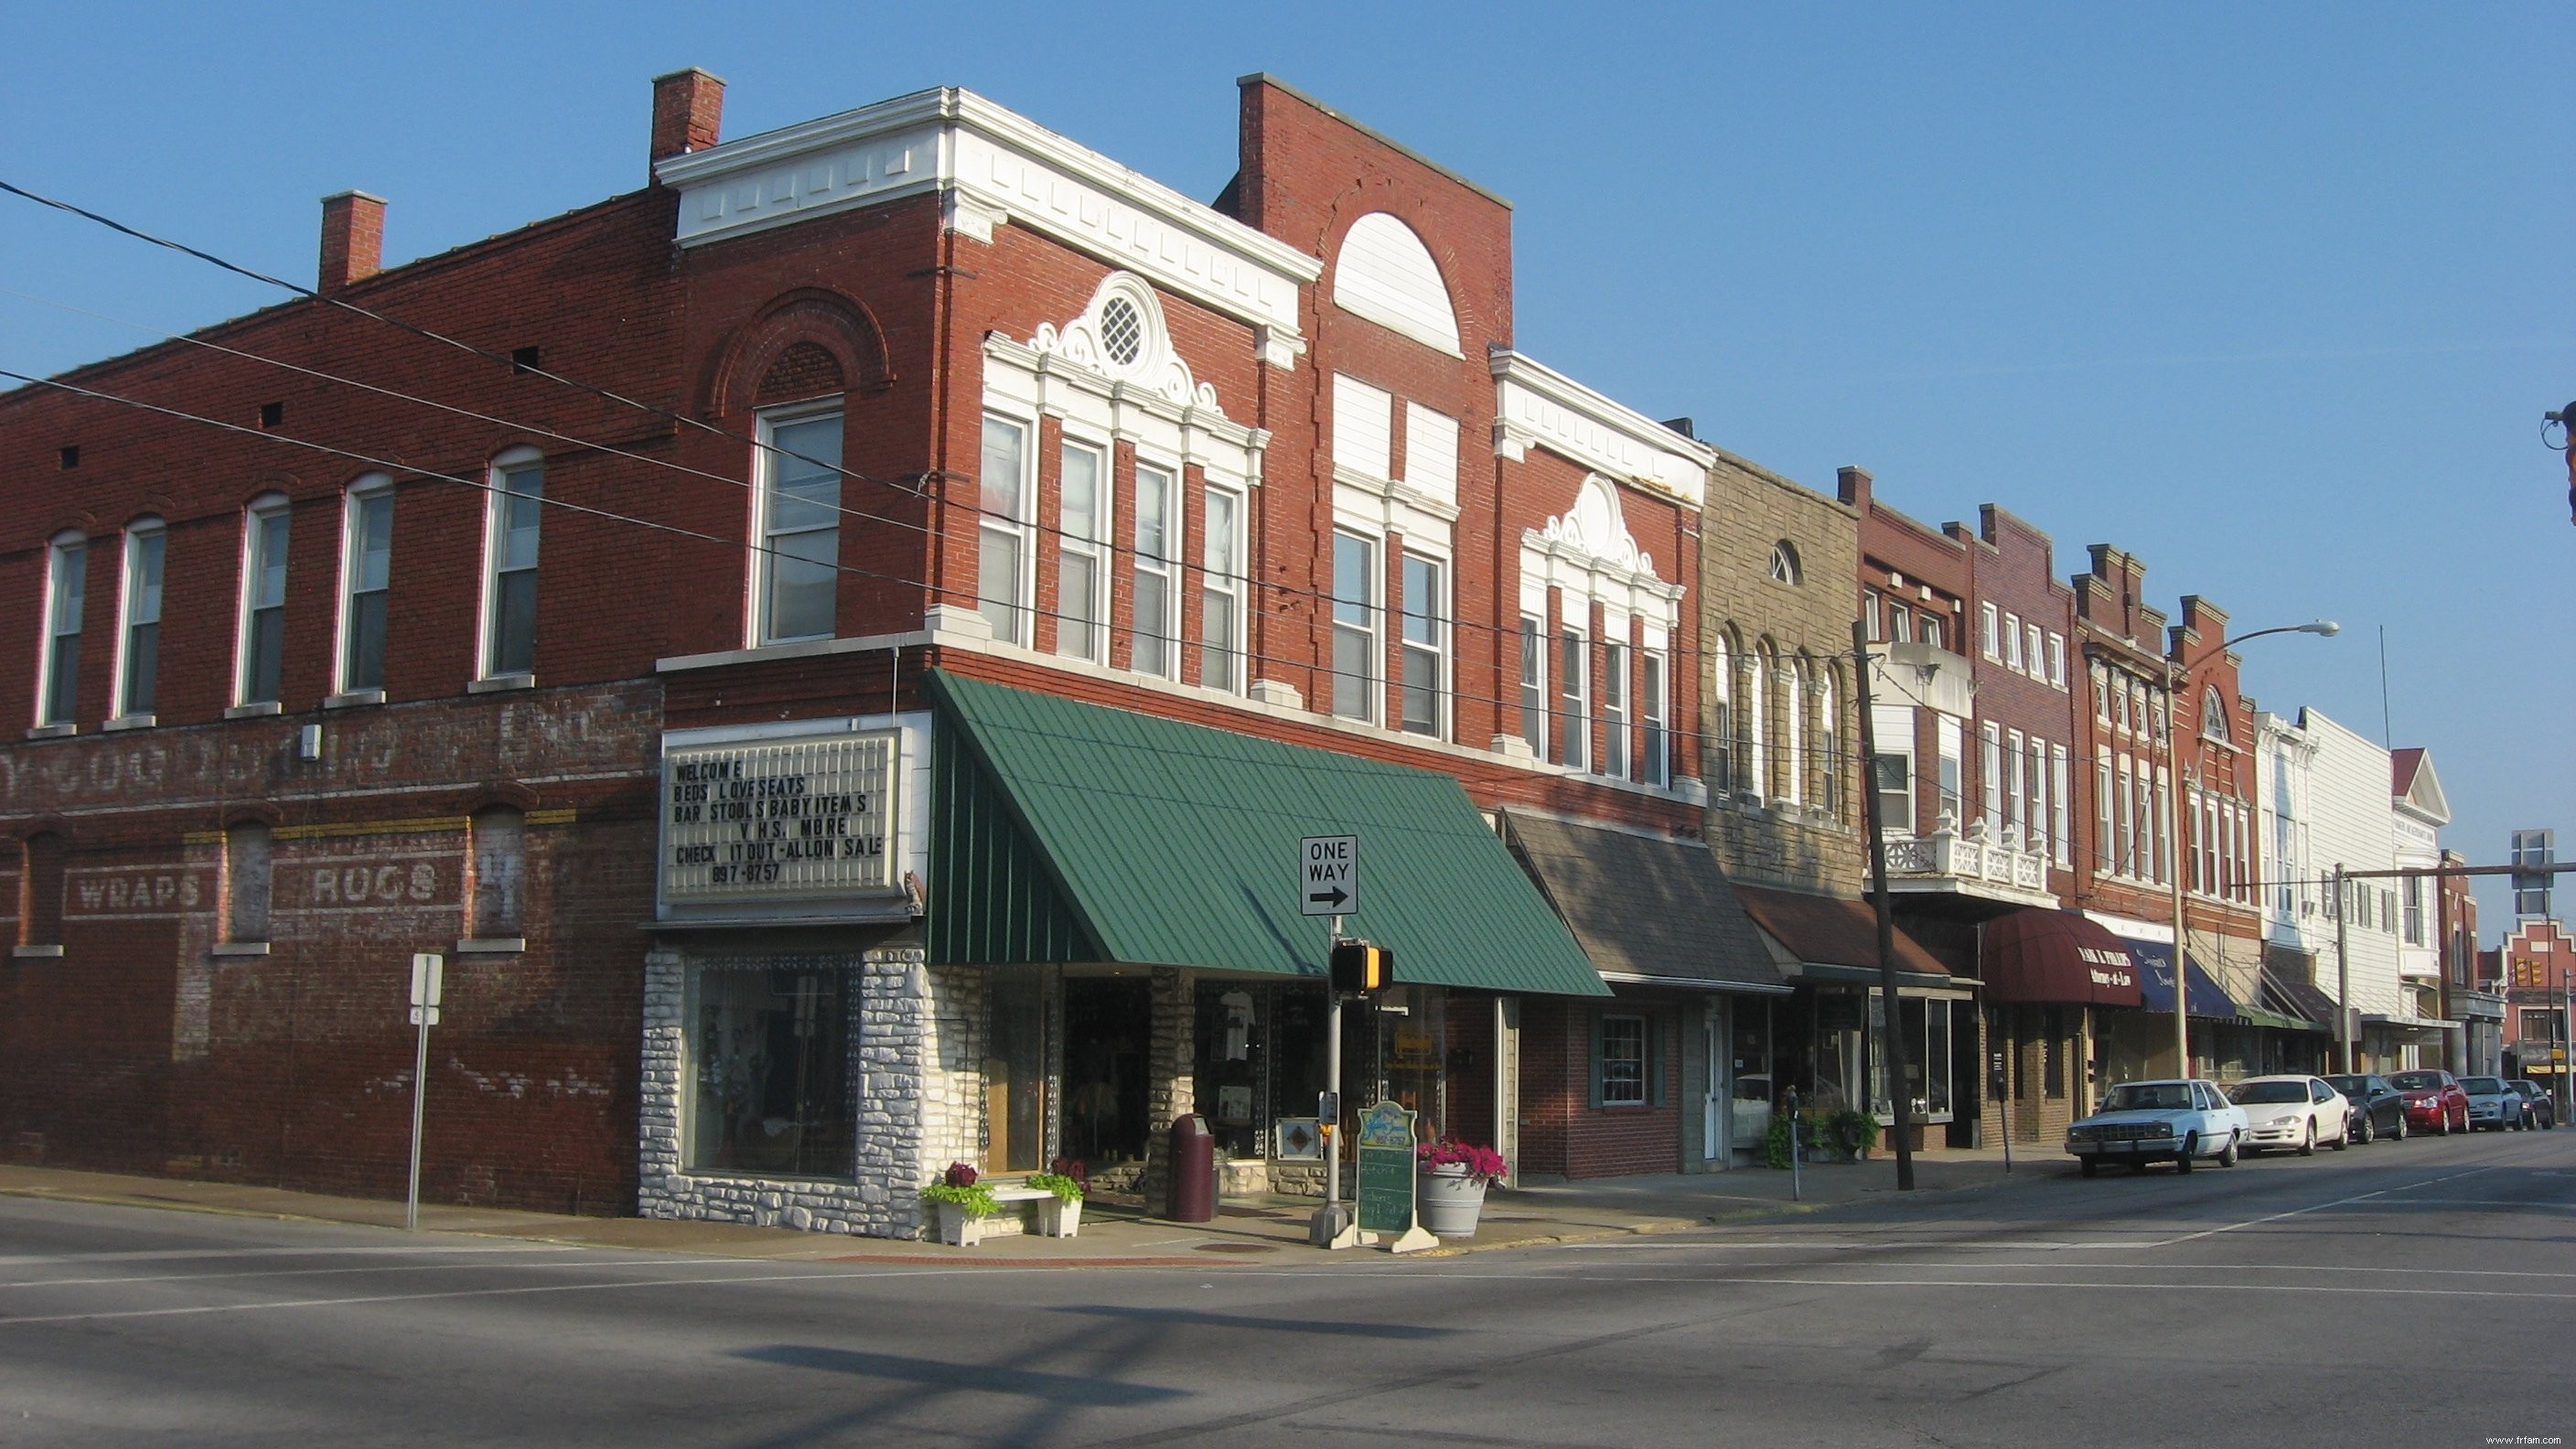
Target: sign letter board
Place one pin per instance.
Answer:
(1386, 1169)
(1328, 875)
(777, 819)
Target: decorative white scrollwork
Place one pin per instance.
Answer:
(1121, 336)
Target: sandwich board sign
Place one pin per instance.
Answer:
(1385, 1142)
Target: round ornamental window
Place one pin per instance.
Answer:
(1122, 332)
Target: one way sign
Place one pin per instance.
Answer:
(1328, 875)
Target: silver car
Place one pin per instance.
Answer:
(2492, 1104)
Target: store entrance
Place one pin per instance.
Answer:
(1107, 1024)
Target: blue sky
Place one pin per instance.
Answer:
(2272, 296)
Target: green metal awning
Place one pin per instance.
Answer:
(1072, 832)
(2257, 1016)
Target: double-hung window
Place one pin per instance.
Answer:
(1654, 704)
(366, 577)
(1534, 685)
(67, 582)
(2057, 660)
(1355, 653)
(517, 502)
(1082, 607)
(1425, 645)
(1721, 716)
(800, 525)
(1987, 643)
(1002, 557)
(1573, 692)
(1991, 744)
(2012, 642)
(1614, 710)
(1620, 1066)
(2014, 787)
(1900, 625)
(263, 630)
(138, 665)
(1221, 588)
(2059, 814)
(2031, 658)
(1158, 531)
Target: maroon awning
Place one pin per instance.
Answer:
(2055, 956)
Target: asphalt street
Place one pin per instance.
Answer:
(2415, 1293)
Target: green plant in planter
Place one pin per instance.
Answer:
(1856, 1132)
(1065, 1188)
(961, 1185)
(1777, 1143)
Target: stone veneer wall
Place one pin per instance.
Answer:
(916, 1078)
(1171, 1072)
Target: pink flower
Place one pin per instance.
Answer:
(959, 1174)
(1482, 1164)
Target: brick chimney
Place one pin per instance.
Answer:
(353, 239)
(1851, 485)
(688, 111)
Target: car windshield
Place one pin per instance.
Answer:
(2349, 1084)
(2524, 1089)
(2250, 1094)
(2148, 1097)
(2482, 1086)
(2416, 1081)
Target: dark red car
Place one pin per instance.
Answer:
(2434, 1101)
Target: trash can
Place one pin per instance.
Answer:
(1190, 1191)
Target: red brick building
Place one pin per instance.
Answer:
(2534, 966)
(962, 450)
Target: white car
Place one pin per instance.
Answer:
(2143, 1122)
(2293, 1112)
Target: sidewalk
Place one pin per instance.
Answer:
(1246, 1230)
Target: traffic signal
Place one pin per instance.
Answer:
(1360, 968)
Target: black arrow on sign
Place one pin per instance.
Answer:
(1335, 899)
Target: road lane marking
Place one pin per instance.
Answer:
(2320, 1207)
(385, 1268)
(146, 1255)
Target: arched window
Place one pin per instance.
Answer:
(265, 531)
(1721, 716)
(249, 874)
(500, 873)
(1757, 685)
(2213, 714)
(138, 645)
(1384, 273)
(366, 583)
(513, 518)
(1829, 768)
(66, 586)
(1784, 563)
(1793, 735)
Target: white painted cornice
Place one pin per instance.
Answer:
(992, 166)
(1535, 404)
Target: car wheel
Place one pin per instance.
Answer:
(2399, 1133)
(2309, 1147)
(2442, 1125)
(2227, 1155)
(2362, 1130)
(2182, 1161)
(2088, 1167)
(2343, 1139)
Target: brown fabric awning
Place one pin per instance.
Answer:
(2291, 976)
(1648, 910)
(1832, 931)
(2060, 957)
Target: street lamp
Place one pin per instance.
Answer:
(2326, 628)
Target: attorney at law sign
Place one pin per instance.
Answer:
(779, 818)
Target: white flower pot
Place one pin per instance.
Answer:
(1448, 1201)
(1060, 1217)
(958, 1228)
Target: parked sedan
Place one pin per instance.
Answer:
(2378, 1109)
(2293, 1112)
(2539, 1109)
(2143, 1122)
(2433, 1100)
(2492, 1104)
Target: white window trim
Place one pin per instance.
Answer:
(1988, 643)
(1101, 547)
(364, 490)
(1443, 633)
(764, 474)
(1578, 736)
(49, 657)
(1531, 636)
(1237, 588)
(120, 708)
(1017, 526)
(496, 510)
(260, 509)
(1624, 721)
(1372, 686)
(1655, 713)
(1171, 566)
(1793, 728)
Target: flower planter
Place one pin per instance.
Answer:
(1060, 1217)
(958, 1228)
(1449, 1201)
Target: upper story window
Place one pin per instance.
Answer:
(2012, 642)
(1363, 429)
(1082, 550)
(366, 577)
(249, 876)
(513, 511)
(2032, 638)
(1573, 694)
(1430, 452)
(1007, 496)
(2057, 660)
(1533, 682)
(1355, 649)
(1721, 715)
(1158, 534)
(1784, 563)
(2213, 714)
(66, 585)
(2101, 694)
(265, 531)
(1654, 706)
(138, 665)
(1613, 755)
(1933, 631)
(1384, 273)
(1870, 605)
(500, 835)
(1988, 643)
(1221, 590)
(798, 506)
(1900, 625)
(1425, 686)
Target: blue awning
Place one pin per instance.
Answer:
(2156, 982)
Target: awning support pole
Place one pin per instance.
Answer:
(1898, 1096)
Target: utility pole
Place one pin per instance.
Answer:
(2343, 973)
(1894, 1036)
